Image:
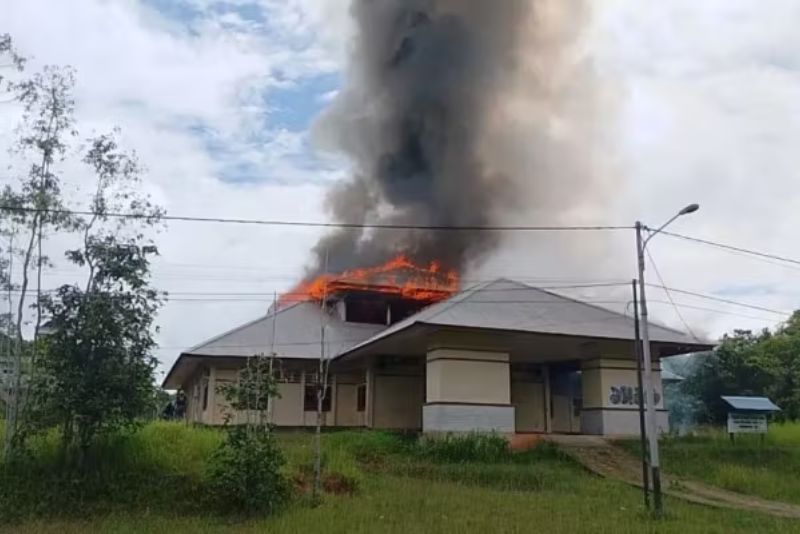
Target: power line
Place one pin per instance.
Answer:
(197, 296)
(669, 295)
(732, 248)
(366, 288)
(724, 301)
(312, 224)
(711, 310)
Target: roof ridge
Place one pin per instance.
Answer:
(603, 308)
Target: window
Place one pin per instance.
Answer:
(361, 398)
(205, 395)
(310, 398)
(366, 310)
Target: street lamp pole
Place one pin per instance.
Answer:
(649, 393)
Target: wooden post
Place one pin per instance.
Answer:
(548, 419)
(333, 392)
(212, 395)
(370, 396)
(303, 397)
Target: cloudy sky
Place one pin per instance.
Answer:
(219, 99)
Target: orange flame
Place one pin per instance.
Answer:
(397, 277)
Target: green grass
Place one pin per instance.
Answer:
(160, 468)
(407, 505)
(401, 488)
(770, 469)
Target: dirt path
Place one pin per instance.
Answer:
(605, 459)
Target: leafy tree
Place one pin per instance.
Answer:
(10, 59)
(95, 372)
(34, 207)
(762, 364)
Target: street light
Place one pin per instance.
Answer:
(650, 405)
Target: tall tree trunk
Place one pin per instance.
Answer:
(14, 394)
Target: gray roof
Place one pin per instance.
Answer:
(297, 332)
(751, 404)
(513, 306)
(500, 305)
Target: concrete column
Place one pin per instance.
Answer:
(467, 390)
(610, 397)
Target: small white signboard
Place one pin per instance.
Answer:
(745, 423)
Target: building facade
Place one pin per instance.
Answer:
(501, 357)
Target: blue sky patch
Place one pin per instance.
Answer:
(295, 107)
(290, 104)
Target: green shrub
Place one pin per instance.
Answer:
(245, 474)
(458, 448)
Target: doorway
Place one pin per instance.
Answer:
(566, 398)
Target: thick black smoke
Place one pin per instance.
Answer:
(424, 77)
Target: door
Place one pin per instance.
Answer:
(527, 397)
(566, 399)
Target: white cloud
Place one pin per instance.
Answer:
(709, 113)
(154, 79)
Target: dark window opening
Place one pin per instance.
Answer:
(366, 310)
(205, 395)
(361, 398)
(400, 309)
(310, 399)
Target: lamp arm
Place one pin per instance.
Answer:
(653, 234)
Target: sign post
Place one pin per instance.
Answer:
(748, 415)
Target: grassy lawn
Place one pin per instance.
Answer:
(402, 504)
(399, 491)
(770, 470)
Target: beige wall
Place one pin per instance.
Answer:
(601, 375)
(398, 401)
(467, 376)
(286, 410)
(346, 406)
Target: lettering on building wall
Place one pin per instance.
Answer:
(627, 396)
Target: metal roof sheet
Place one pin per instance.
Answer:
(751, 404)
(297, 334)
(501, 305)
(508, 305)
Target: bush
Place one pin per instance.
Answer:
(245, 473)
(459, 448)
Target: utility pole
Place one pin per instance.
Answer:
(650, 404)
(649, 394)
(642, 432)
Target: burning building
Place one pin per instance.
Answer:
(500, 356)
(424, 120)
